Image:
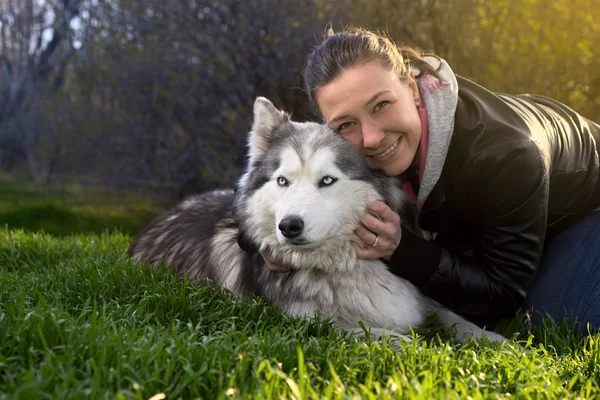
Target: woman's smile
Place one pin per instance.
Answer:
(389, 152)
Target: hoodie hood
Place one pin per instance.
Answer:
(440, 100)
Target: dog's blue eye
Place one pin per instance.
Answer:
(327, 181)
(281, 181)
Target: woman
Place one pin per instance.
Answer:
(505, 185)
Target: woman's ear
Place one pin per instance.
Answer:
(412, 84)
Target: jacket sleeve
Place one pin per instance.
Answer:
(509, 233)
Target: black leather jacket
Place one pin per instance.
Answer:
(518, 169)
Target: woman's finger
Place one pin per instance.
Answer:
(366, 253)
(366, 235)
(384, 212)
(382, 228)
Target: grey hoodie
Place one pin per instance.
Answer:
(440, 100)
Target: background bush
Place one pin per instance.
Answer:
(156, 96)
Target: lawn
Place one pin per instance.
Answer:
(79, 320)
(72, 209)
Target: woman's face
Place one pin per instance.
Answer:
(376, 112)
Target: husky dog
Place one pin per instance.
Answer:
(298, 201)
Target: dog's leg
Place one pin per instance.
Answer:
(381, 332)
(466, 330)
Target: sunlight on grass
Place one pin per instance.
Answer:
(79, 320)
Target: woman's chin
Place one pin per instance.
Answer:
(396, 166)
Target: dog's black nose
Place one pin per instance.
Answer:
(291, 227)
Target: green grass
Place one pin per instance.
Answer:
(79, 320)
(71, 209)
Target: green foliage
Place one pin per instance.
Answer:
(79, 320)
(160, 94)
(549, 47)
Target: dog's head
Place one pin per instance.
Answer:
(303, 191)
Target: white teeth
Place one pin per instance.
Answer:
(389, 150)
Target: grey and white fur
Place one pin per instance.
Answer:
(299, 201)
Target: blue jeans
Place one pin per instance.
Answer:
(567, 283)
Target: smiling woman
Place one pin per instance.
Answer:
(499, 180)
(376, 112)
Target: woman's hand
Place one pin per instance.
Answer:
(382, 235)
(274, 265)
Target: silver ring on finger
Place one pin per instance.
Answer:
(376, 240)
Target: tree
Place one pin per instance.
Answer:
(550, 47)
(35, 48)
(176, 81)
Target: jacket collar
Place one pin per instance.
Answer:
(432, 215)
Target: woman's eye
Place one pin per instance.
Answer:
(381, 105)
(327, 181)
(344, 126)
(281, 181)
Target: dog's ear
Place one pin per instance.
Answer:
(389, 188)
(266, 119)
(244, 241)
(392, 194)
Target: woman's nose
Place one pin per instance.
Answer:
(372, 135)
